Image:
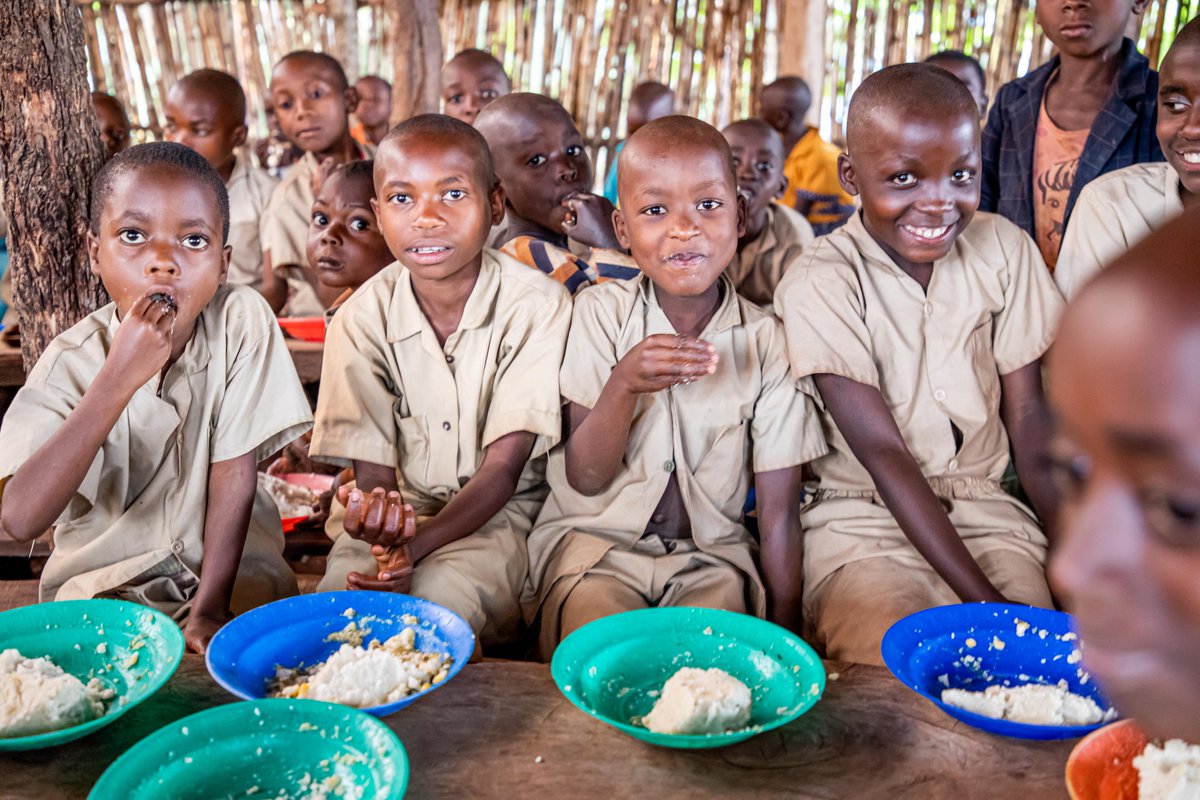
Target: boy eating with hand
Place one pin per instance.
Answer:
(678, 394)
(923, 324)
(440, 387)
(138, 432)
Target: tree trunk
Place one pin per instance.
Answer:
(417, 88)
(49, 152)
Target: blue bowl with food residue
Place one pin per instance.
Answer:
(973, 646)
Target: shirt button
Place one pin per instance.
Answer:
(953, 465)
(669, 466)
(176, 547)
(928, 309)
(939, 395)
(449, 359)
(445, 426)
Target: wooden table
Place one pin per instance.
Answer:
(481, 736)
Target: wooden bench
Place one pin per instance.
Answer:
(16, 594)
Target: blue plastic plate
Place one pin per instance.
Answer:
(243, 655)
(977, 645)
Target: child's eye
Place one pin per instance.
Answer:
(454, 194)
(536, 161)
(202, 132)
(489, 94)
(574, 150)
(398, 199)
(964, 175)
(130, 236)
(1175, 106)
(763, 167)
(454, 99)
(316, 94)
(195, 242)
(709, 205)
(1070, 474)
(359, 224)
(1173, 519)
(655, 211)
(320, 218)
(904, 179)
(283, 105)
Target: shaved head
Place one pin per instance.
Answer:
(672, 135)
(219, 86)
(907, 90)
(756, 127)
(449, 133)
(1188, 36)
(476, 59)
(518, 104)
(790, 92)
(326, 63)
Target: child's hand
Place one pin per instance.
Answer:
(322, 172)
(590, 221)
(199, 631)
(395, 569)
(142, 345)
(380, 518)
(661, 361)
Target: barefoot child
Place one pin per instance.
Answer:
(547, 181)
(775, 234)
(1088, 111)
(1119, 209)
(922, 323)
(345, 244)
(440, 383)
(206, 111)
(313, 102)
(646, 499)
(138, 432)
(811, 164)
(1126, 391)
(470, 81)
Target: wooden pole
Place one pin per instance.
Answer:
(802, 45)
(417, 40)
(49, 152)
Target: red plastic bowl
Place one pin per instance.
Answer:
(308, 329)
(309, 480)
(1101, 765)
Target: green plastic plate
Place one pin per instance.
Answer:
(262, 748)
(614, 668)
(134, 650)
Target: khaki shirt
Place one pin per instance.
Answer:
(284, 234)
(141, 507)
(936, 358)
(249, 192)
(747, 417)
(1114, 212)
(760, 264)
(390, 394)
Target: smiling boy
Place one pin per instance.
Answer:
(440, 387)
(313, 102)
(677, 394)
(775, 234)
(206, 111)
(138, 432)
(922, 323)
(547, 181)
(1119, 209)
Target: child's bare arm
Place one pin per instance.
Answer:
(274, 288)
(781, 554)
(865, 420)
(1027, 420)
(231, 487)
(40, 489)
(599, 436)
(590, 221)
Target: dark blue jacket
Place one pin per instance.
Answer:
(1123, 134)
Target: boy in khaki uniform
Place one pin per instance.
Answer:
(922, 324)
(547, 182)
(441, 382)
(206, 111)
(775, 234)
(138, 432)
(313, 102)
(647, 493)
(1116, 211)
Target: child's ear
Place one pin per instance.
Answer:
(93, 249)
(782, 190)
(375, 207)
(238, 137)
(742, 214)
(351, 97)
(496, 203)
(846, 175)
(618, 220)
(226, 255)
(1139, 7)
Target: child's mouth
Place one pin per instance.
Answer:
(685, 260)
(429, 253)
(1190, 158)
(329, 264)
(165, 300)
(928, 234)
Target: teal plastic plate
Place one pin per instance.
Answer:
(262, 749)
(132, 649)
(614, 668)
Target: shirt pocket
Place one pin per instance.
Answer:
(721, 472)
(983, 361)
(413, 447)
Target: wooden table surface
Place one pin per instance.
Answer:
(481, 735)
(305, 355)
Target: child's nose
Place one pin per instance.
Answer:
(427, 216)
(1086, 561)
(162, 261)
(567, 169)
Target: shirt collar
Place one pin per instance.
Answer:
(405, 317)
(728, 314)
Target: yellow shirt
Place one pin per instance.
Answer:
(390, 394)
(936, 357)
(749, 416)
(813, 188)
(1113, 213)
(249, 193)
(137, 519)
(759, 265)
